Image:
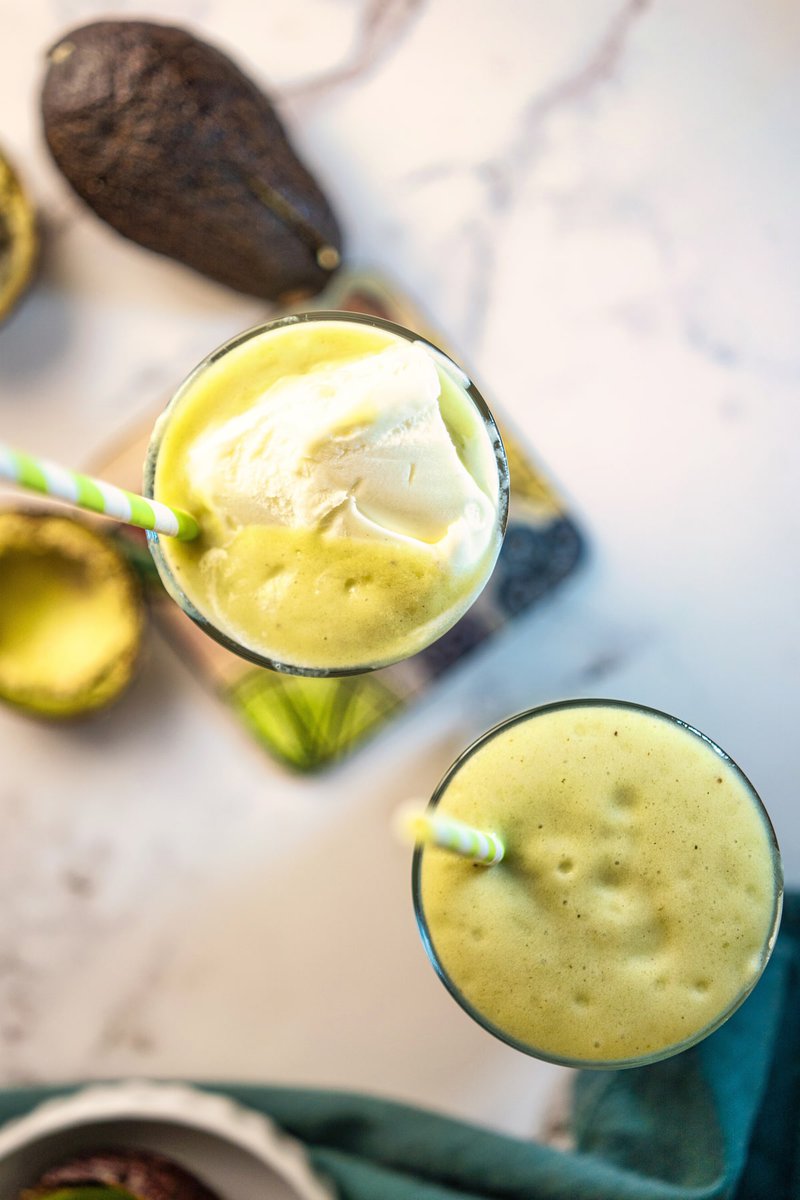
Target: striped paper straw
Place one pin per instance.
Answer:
(434, 829)
(94, 494)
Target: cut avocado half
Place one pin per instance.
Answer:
(70, 616)
(80, 1193)
(119, 1175)
(18, 239)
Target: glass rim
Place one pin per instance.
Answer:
(448, 364)
(485, 1022)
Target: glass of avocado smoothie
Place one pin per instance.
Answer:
(640, 893)
(351, 489)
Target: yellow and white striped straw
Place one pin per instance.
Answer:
(48, 477)
(435, 829)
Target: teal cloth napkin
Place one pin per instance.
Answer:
(720, 1121)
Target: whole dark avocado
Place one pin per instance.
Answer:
(166, 139)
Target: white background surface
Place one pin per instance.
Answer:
(597, 204)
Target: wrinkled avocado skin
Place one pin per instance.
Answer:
(174, 147)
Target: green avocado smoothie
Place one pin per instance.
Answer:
(639, 896)
(347, 486)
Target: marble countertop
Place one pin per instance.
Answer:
(597, 204)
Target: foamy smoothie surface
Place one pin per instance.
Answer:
(347, 490)
(638, 897)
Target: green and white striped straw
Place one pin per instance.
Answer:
(435, 829)
(53, 480)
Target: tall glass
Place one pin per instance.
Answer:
(252, 340)
(639, 898)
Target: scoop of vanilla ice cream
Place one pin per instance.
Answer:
(355, 448)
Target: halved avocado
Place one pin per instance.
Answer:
(80, 1193)
(71, 616)
(119, 1175)
(18, 239)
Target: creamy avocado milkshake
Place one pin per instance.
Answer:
(639, 896)
(350, 486)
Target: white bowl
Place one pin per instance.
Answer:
(237, 1152)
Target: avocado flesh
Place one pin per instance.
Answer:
(171, 144)
(80, 1193)
(119, 1175)
(70, 616)
(18, 239)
